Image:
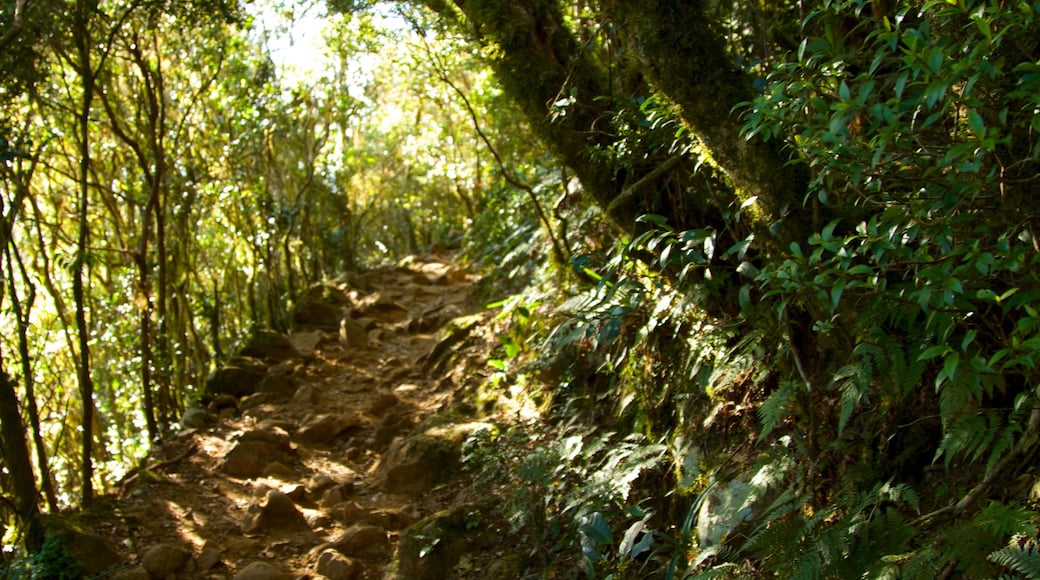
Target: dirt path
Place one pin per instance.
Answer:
(308, 476)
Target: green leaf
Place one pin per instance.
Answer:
(934, 351)
(976, 122)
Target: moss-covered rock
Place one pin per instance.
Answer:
(431, 547)
(269, 345)
(422, 461)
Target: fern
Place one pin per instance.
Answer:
(854, 382)
(777, 406)
(1023, 558)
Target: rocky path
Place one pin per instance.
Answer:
(318, 449)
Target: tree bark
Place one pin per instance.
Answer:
(541, 65)
(83, 12)
(685, 59)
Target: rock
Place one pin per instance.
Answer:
(389, 519)
(234, 380)
(165, 560)
(352, 333)
(247, 459)
(279, 470)
(431, 547)
(269, 433)
(383, 402)
(208, 559)
(306, 396)
(277, 384)
(729, 508)
(335, 566)
(382, 308)
(196, 418)
(420, 462)
(450, 339)
(279, 513)
(390, 426)
(269, 345)
(349, 512)
(91, 550)
(221, 404)
(325, 428)
(319, 307)
(262, 571)
(306, 343)
(337, 495)
(363, 540)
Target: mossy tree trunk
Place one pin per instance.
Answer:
(674, 43)
(567, 95)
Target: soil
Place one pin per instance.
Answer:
(293, 480)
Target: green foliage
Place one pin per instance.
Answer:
(568, 488)
(911, 147)
(1021, 556)
(52, 562)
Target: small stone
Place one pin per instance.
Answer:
(262, 571)
(325, 428)
(164, 560)
(208, 559)
(305, 396)
(336, 566)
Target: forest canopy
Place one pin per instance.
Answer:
(789, 248)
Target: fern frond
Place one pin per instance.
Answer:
(777, 406)
(1022, 558)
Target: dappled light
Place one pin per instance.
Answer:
(519, 289)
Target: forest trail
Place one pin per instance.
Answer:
(317, 473)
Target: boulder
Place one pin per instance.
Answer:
(165, 560)
(430, 548)
(324, 428)
(269, 345)
(249, 458)
(418, 463)
(237, 380)
(336, 566)
(208, 559)
(363, 541)
(279, 514)
(91, 550)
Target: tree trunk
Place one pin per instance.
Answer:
(16, 456)
(557, 85)
(686, 60)
(83, 13)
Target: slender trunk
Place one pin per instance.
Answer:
(12, 430)
(16, 457)
(22, 316)
(86, 385)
